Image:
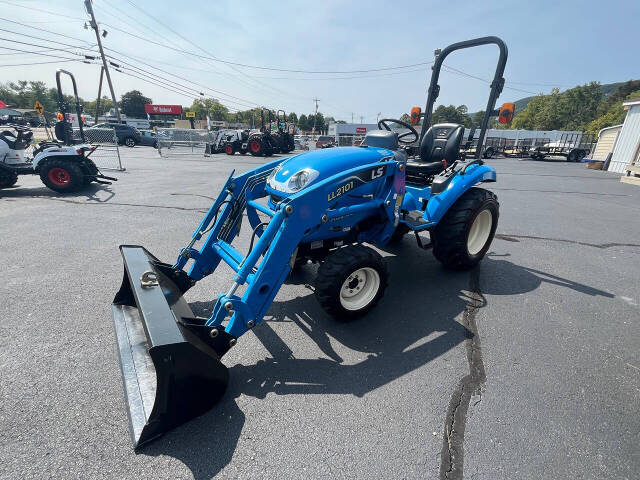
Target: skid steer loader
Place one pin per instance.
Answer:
(324, 206)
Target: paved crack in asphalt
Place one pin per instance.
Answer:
(79, 202)
(514, 238)
(452, 458)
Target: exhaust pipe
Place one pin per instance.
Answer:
(170, 360)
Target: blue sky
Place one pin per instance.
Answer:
(550, 43)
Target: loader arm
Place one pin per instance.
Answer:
(265, 267)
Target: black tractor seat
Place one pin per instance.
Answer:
(440, 147)
(19, 141)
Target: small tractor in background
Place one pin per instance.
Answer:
(63, 165)
(262, 143)
(236, 141)
(284, 133)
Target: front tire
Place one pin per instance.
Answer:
(464, 234)
(62, 176)
(488, 153)
(351, 281)
(228, 149)
(574, 156)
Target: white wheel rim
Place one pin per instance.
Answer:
(359, 289)
(479, 232)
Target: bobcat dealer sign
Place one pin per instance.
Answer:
(163, 109)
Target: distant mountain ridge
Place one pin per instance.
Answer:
(607, 89)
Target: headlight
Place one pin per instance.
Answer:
(295, 183)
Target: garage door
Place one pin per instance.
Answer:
(606, 140)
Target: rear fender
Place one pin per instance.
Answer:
(56, 152)
(438, 205)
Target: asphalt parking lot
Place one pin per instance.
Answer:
(527, 367)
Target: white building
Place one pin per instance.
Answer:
(626, 153)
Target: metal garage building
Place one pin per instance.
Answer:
(626, 153)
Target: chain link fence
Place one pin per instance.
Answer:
(107, 155)
(181, 142)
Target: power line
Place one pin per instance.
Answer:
(41, 30)
(146, 78)
(248, 102)
(40, 63)
(41, 46)
(41, 10)
(212, 57)
(188, 95)
(34, 53)
(168, 47)
(277, 69)
(460, 72)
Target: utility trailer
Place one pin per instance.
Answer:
(573, 146)
(492, 147)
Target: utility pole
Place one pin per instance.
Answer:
(315, 117)
(99, 94)
(351, 117)
(94, 25)
(378, 116)
(361, 119)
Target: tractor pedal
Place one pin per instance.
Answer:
(414, 218)
(419, 241)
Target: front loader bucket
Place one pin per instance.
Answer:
(169, 375)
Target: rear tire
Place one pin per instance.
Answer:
(8, 179)
(464, 234)
(62, 176)
(351, 281)
(256, 146)
(229, 150)
(130, 142)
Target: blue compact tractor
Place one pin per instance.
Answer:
(326, 206)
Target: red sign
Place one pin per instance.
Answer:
(163, 109)
(361, 129)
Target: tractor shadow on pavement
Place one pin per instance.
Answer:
(92, 193)
(416, 322)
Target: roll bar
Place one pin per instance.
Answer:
(63, 106)
(496, 85)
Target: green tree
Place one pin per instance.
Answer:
(303, 123)
(211, 107)
(292, 118)
(105, 105)
(477, 118)
(569, 110)
(615, 115)
(451, 114)
(132, 104)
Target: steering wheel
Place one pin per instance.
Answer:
(382, 124)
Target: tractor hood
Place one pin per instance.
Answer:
(321, 164)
